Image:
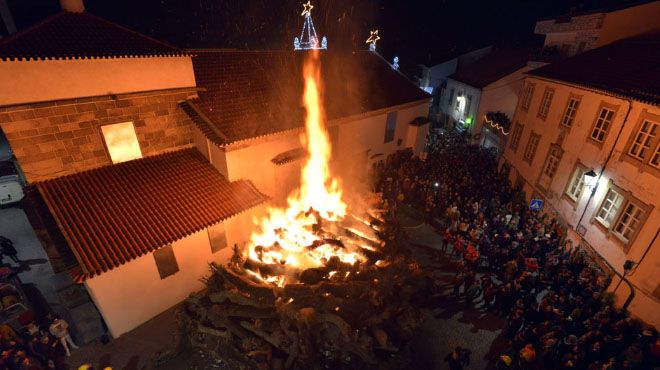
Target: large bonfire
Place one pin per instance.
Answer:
(304, 235)
(316, 287)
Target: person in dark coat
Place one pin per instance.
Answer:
(7, 249)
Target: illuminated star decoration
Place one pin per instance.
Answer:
(307, 9)
(308, 39)
(373, 38)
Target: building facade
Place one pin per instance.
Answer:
(145, 162)
(476, 95)
(585, 140)
(573, 34)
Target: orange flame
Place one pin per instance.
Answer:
(285, 235)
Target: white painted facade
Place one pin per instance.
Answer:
(358, 142)
(634, 181)
(571, 35)
(465, 106)
(31, 81)
(133, 293)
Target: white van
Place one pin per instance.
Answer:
(11, 187)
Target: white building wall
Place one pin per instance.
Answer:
(448, 102)
(501, 95)
(77, 78)
(642, 184)
(133, 293)
(360, 140)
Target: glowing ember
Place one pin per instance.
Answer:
(301, 236)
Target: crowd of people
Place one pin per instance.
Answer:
(41, 344)
(511, 261)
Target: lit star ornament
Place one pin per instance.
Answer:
(373, 38)
(307, 9)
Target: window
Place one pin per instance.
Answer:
(602, 125)
(544, 108)
(571, 110)
(621, 214)
(217, 237)
(530, 150)
(629, 221)
(655, 160)
(390, 126)
(165, 261)
(451, 96)
(515, 136)
(609, 207)
(528, 92)
(576, 184)
(551, 164)
(121, 141)
(468, 104)
(645, 140)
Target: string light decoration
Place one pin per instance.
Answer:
(373, 38)
(308, 39)
(496, 126)
(395, 63)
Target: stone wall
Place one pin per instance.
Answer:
(57, 138)
(576, 23)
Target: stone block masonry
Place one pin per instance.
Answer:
(57, 138)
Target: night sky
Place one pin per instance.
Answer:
(418, 31)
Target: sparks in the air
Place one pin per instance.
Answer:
(307, 9)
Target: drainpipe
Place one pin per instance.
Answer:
(591, 197)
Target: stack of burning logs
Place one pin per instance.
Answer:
(339, 315)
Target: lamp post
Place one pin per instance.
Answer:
(590, 179)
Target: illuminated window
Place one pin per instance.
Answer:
(121, 141)
(609, 208)
(571, 110)
(544, 108)
(602, 125)
(516, 135)
(390, 126)
(629, 221)
(576, 185)
(551, 165)
(527, 96)
(532, 144)
(622, 215)
(645, 139)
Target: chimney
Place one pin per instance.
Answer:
(7, 19)
(74, 6)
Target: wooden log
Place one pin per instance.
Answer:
(224, 334)
(254, 290)
(274, 339)
(236, 297)
(234, 310)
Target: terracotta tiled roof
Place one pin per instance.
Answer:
(116, 213)
(254, 93)
(81, 35)
(494, 66)
(629, 68)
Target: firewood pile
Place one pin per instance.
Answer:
(338, 315)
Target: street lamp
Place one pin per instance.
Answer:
(590, 179)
